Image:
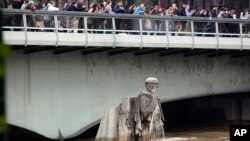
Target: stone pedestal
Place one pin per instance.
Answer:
(117, 122)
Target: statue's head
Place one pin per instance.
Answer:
(152, 84)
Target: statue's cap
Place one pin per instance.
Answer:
(151, 79)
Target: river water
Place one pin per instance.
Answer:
(199, 134)
(192, 134)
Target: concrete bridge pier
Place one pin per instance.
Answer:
(48, 92)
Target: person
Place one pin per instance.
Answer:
(182, 11)
(155, 24)
(17, 4)
(108, 7)
(245, 16)
(132, 9)
(70, 19)
(101, 21)
(81, 7)
(188, 11)
(72, 6)
(17, 19)
(31, 22)
(48, 20)
(93, 23)
(140, 10)
(94, 8)
(175, 9)
(233, 14)
(31, 5)
(25, 3)
(234, 27)
(225, 13)
(214, 12)
(171, 11)
(150, 118)
(108, 10)
(119, 9)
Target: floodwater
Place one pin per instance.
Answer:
(193, 134)
(199, 134)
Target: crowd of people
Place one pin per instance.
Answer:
(107, 6)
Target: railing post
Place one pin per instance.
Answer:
(114, 30)
(192, 32)
(141, 29)
(25, 29)
(167, 33)
(241, 36)
(217, 34)
(56, 29)
(86, 30)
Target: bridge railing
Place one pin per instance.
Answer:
(142, 25)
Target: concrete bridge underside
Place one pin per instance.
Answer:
(62, 95)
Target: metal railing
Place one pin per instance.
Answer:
(91, 23)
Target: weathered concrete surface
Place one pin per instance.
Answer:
(108, 129)
(117, 123)
(70, 92)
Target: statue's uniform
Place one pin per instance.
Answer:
(151, 116)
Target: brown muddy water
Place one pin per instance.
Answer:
(192, 134)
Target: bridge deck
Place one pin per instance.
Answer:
(122, 40)
(93, 30)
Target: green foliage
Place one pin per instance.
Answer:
(3, 123)
(4, 52)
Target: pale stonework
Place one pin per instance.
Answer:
(135, 119)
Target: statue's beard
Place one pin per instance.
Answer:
(153, 90)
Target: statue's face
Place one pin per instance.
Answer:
(152, 86)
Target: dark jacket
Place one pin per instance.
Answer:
(118, 9)
(71, 8)
(17, 4)
(182, 12)
(81, 7)
(214, 13)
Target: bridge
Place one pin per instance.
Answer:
(60, 79)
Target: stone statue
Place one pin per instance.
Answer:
(135, 119)
(150, 113)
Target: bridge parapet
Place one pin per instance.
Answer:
(44, 28)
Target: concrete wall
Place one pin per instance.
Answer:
(69, 92)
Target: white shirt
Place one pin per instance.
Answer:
(52, 8)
